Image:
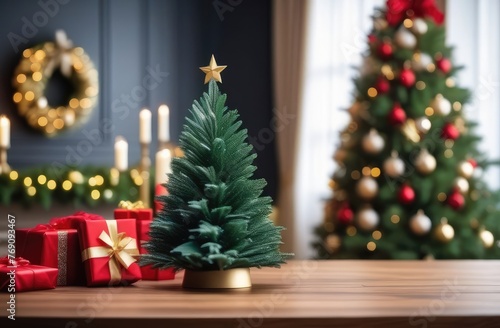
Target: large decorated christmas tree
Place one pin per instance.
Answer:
(408, 182)
(214, 218)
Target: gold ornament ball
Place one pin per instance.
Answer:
(332, 243)
(420, 223)
(487, 238)
(394, 166)
(369, 66)
(419, 26)
(462, 185)
(405, 39)
(421, 61)
(441, 105)
(373, 143)
(444, 232)
(367, 188)
(340, 155)
(425, 163)
(465, 169)
(380, 23)
(423, 124)
(367, 219)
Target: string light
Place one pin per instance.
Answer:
(27, 181)
(376, 235)
(108, 193)
(51, 184)
(31, 191)
(408, 23)
(372, 92)
(114, 175)
(95, 194)
(371, 246)
(99, 180)
(13, 175)
(67, 185)
(42, 179)
(395, 219)
(138, 180)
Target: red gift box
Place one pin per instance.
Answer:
(53, 245)
(148, 272)
(20, 276)
(108, 247)
(129, 212)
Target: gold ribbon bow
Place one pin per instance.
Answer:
(119, 249)
(128, 205)
(410, 131)
(62, 56)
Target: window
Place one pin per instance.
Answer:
(336, 41)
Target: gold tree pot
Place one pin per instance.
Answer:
(232, 278)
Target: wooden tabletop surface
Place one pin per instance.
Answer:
(300, 294)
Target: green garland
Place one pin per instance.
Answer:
(89, 185)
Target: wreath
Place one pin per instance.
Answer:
(31, 76)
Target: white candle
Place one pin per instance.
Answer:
(121, 154)
(163, 166)
(4, 131)
(163, 124)
(145, 126)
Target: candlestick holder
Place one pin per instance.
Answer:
(163, 145)
(144, 167)
(4, 166)
(174, 149)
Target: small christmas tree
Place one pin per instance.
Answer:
(214, 217)
(407, 185)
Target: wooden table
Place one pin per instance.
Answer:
(301, 294)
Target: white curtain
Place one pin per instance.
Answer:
(473, 28)
(336, 40)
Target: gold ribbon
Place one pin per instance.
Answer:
(410, 131)
(128, 205)
(62, 56)
(119, 249)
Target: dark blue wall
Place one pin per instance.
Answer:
(124, 38)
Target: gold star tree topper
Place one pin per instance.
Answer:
(212, 71)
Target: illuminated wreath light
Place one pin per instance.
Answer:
(34, 71)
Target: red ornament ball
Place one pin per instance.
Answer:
(406, 195)
(472, 162)
(372, 39)
(450, 132)
(407, 77)
(345, 215)
(444, 64)
(456, 200)
(397, 115)
(382, 85)
(385, 50)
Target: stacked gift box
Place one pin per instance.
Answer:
(82, 249)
